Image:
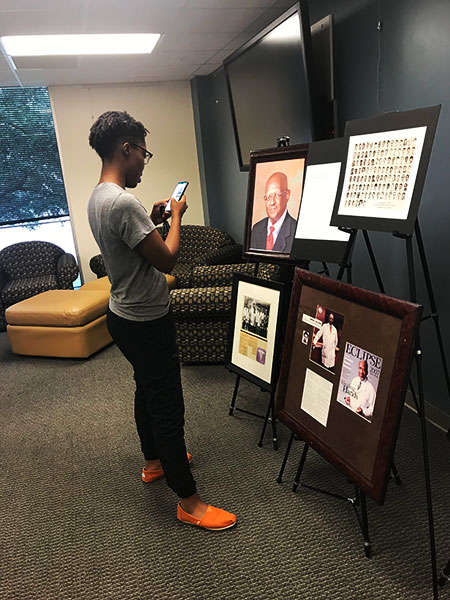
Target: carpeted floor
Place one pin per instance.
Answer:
(77, 523)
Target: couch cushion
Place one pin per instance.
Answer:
(66, 308)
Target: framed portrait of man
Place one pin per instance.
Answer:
(346, 403)
(275, 187)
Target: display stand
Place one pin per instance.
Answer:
(270, 414)
(419, 400)
(445, 575)
(254, 347)
(358, 500)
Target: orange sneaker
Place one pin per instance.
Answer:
(151, 475)
(214, 518)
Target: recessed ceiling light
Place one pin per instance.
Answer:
(57, 45)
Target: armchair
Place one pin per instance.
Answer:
(29, 268)
(202, 312)
(203, 245)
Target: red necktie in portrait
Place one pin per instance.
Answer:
(330, 329)
(269, 240)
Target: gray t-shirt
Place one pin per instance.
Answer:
(119, 222)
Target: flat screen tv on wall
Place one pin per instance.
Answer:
(272, 88)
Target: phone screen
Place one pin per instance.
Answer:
(178, 192)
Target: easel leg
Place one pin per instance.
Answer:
(445, 575)
(395, 474)
(266, 419)
(285, 459)
(434, 313)
(274, 422)
(421, 399)
(233, 400)
(373, 261)
(414, 395)
(300, 468)
(365, 525)
(348, 252)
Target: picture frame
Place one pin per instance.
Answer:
(349, 409)
(315, 239)
(275, 184)
(255, 332)
(381, 186)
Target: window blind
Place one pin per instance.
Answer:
(31, 181)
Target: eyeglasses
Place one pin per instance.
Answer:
(147, 154)
(276, 196)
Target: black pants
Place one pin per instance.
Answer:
(151, 349)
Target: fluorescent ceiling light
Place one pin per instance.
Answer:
(57, 45)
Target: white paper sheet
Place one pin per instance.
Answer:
(319, 195)
(316, 397)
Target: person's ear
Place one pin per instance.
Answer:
(126, 149)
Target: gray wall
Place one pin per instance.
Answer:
(413, 53)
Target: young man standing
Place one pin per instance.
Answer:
(139, 317)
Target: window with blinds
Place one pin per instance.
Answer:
(31, 182)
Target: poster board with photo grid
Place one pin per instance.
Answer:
(381, 185)
(346, 361)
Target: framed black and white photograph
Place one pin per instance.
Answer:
(255, 328)
(350, 412)
(275, 187)
(387, 160)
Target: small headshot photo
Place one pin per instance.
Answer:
(305, 337)
(325, 340)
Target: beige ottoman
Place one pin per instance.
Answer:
(62, 323)
(103, 283)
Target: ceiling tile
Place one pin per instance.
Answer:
(215, 19)
(230, 3)
(207, 69)
(31, 22)
(46, 62)
(193, 41)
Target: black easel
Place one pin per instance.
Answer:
(445, 575)
(420, 400)
(358, 500)
(285, 276)
(270, 414)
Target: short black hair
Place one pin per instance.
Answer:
(113, 127)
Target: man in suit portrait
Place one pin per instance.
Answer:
(275, 232)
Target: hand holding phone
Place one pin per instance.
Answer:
(177, 193)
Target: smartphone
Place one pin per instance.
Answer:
(177, 193)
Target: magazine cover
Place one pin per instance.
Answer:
(359, 380)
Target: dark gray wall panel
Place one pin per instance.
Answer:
(407, 66)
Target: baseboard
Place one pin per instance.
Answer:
(434, 415)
